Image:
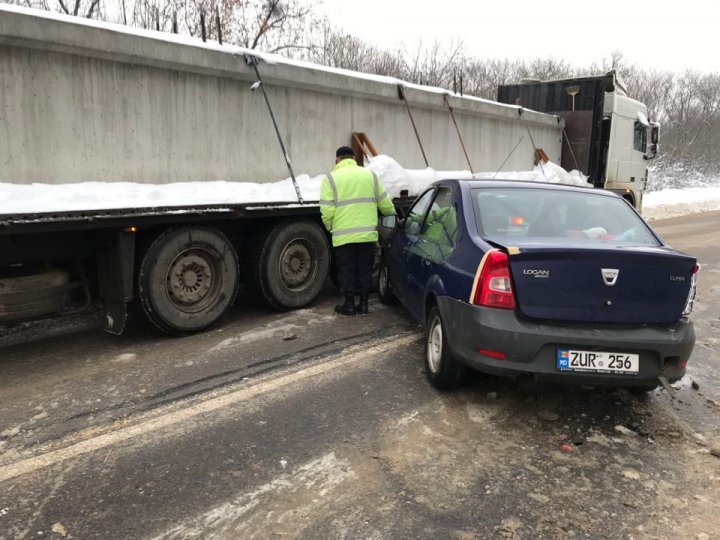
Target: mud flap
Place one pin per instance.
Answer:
(115, 261)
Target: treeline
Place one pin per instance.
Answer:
(686, 104)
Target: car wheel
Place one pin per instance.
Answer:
(443, 371)
(383, 284)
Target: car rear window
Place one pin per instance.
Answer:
(546, 213)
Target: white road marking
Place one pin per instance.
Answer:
(176, 416)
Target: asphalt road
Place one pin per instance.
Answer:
(312, 425)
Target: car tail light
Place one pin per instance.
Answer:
(493, 287)
(693, 289)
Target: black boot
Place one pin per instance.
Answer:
(348, 308)
(362, 307)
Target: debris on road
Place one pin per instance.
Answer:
(695, 386)
(631, 474)
(59, 528)
(289, 337)
(624, 430)
(508, 528)
(567, 448)
(548, 416)
(492, 395)
(715, 452)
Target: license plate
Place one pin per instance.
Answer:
(598, 361)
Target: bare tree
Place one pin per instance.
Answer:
(81, 8)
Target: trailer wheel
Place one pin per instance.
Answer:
(291, 264)
(187, 279)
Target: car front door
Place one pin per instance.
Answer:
(435, 242)
(405, 238)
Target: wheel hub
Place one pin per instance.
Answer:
(434, 346)
(296, 265)
(190, 279)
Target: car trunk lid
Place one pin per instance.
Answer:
(620, 284)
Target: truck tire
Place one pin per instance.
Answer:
(29, 296)
(187, 279)
(290, 264)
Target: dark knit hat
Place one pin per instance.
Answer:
(344, 151)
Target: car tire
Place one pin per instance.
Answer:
(187, 279)
(290, 265)
(384, 291)
(443, 371)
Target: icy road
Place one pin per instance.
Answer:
(306, 425)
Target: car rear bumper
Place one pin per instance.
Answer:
(531, 347)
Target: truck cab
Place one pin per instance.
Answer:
(631, 141)
(607, 135)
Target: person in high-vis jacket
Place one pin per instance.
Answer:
(350, 197)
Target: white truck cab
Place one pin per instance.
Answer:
(632, 141)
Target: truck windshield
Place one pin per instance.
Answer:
(549, 213)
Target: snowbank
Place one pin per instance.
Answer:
(679, 202)
(36, 198)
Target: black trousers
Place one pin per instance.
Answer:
(354, 267)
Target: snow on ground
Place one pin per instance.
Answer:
(38, 198)
(678, 202)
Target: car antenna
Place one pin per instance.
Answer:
(508, 157)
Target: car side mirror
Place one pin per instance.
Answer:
(389, 222)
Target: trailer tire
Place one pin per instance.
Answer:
(187, 279)
(27, 296)
(290, 264)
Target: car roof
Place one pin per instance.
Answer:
(527, 184)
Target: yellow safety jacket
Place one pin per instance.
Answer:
(350, 198)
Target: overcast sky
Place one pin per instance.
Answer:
(655, 33)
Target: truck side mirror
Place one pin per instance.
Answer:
(654, 136)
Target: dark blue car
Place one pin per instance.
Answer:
(558, 282)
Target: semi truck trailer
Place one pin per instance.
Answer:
(86, 102)
(82, 101)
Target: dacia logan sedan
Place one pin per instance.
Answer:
(558, 282)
